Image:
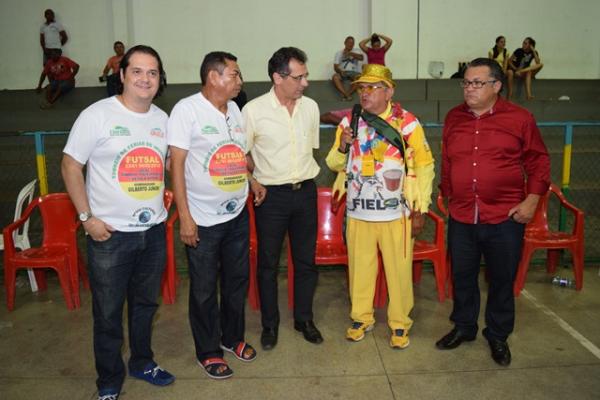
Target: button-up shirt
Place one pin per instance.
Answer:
(282, 144)
(485, 160)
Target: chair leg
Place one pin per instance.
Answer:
(10, 278)
(440, 280)
(522, 271)
(253, 296)
(552, 260)
(40, 277)
(65, 284)
(577, 252)
(417, 271)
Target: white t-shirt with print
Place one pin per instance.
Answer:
(51, 33)
(215, 166)
(124, 152)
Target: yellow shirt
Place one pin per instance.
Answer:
(281, 144)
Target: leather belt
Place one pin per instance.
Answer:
(291, 186)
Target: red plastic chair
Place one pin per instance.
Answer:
(434, 251)
(170, 277)
(539, 236)
(331, 247)
(58, 250)
(253, 295)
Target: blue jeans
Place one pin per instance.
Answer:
(223, 250)
(500, 244)
(128, 266)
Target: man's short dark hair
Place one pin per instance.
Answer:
(280, 60)
(140, 48)
(214, 61)
(495, 68)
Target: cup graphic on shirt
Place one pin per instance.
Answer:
(392, 179)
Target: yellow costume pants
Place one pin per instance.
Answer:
(393, 238)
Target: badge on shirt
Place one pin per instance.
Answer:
(368, 165)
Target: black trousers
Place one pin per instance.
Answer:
(500, 244)
(293, 211)
(221, 257)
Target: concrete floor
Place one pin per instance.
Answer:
(46, 351)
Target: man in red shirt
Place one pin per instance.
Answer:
(488, 146)
(61, 73)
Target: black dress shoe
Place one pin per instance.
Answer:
(453, 339)
(268, 338)
(500, 352)
(309, 330)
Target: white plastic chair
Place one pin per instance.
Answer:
(21, 238)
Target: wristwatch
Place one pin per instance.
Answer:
(84, 216)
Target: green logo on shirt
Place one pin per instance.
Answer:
(120, 131)
(209, 130)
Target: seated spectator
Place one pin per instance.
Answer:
(520, 66)
(334, 117)
(499, 53)
(376, 53)
(61, 73)
(112, 80)
(347, 65)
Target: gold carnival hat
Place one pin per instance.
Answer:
(373, 73)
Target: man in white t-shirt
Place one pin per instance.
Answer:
(122, 140)
(347, 65)
(52, 34)
(208, 166)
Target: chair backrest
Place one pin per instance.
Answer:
(330, 221)
(59, 219)
(25, 196)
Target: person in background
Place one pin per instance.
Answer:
(347, 65)
(376, 53)
(499, 53)
(112, 80)
(61, 73)
(520, 66)
(495, 167)
(52, 35)
(122, 143)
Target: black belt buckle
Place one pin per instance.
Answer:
(296, 186)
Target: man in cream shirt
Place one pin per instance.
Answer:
(282, 128)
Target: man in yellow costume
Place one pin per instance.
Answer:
(386, 167)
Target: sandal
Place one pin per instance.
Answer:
(211, 367)
(239, 351)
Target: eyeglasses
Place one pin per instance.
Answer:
(475, 84)
(297, 78)
(368, 89)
